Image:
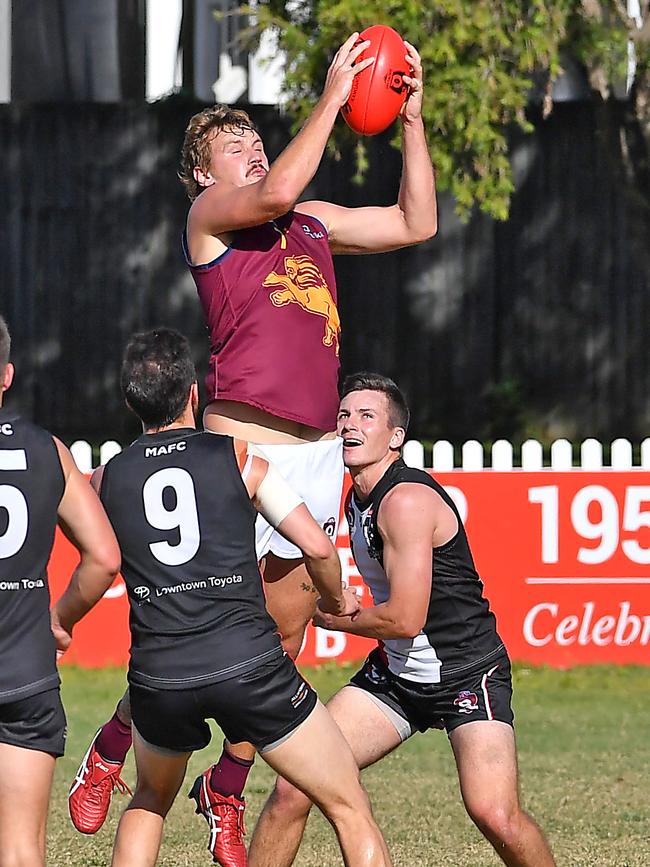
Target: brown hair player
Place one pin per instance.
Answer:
(262, 263)
(439, 661)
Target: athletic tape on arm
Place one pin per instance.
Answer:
(275, 498)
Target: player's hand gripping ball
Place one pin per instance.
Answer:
(378, 92)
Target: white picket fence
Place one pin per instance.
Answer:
(473, 455)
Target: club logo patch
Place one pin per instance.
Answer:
(374, 675)
(370, 535)
(466, 701)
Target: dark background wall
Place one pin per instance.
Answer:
(535, 326)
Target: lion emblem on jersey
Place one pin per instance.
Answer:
(304, 284)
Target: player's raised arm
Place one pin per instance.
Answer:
(407, 522)
(284, 510)
(239, 189)
(414, 217)
(83, 520)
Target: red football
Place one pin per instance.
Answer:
(378, 93)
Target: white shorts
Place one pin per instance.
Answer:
(315, 472)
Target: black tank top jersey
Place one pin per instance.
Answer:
(31, 487)
(460, 631)
(186, 527)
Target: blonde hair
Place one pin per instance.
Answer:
(200, 131)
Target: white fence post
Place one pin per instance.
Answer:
(502, 455)
(414, 454)
(591, 455)
(472, 452)
(621, 454)
(645, 454)
(532, 455)
(442, 459)
(561, 455)
(108, 450)
(83, 455)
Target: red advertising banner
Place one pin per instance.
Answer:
(565, 558)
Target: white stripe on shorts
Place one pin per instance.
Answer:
(488, 706)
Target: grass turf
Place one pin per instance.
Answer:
(584, 756)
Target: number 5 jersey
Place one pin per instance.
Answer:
(31, 487)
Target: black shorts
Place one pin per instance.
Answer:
(263, 707)
(484, 694)
(35, 723)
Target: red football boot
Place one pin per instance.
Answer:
(90, 794)
(225, 818)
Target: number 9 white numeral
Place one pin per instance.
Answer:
(183, 517)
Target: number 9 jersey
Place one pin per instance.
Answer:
(31, 487)
(186, 527)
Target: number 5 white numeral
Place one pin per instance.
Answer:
(13, 500)
(633, 519)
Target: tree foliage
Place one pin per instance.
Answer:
(481, 59)
(614, 48)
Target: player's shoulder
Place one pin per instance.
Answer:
(408, 493)
(318, 212)
(16, 426)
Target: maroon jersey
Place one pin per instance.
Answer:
(270, 305)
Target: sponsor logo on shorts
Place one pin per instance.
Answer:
(299, 695)
(466, 701)
(330, 526)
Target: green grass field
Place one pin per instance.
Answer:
(584, 747)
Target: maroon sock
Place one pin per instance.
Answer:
(114, 740)
(229, 775)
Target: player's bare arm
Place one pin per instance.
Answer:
(414, 217)
(410, 519)
(230, 202)
(84, 522)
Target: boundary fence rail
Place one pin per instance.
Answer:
(502, 455)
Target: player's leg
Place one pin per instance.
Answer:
(315, 471)
(218, 792)
(25, 785)
(486, 758)
(140, 829)
(333, 785)
(32, 736)
(99, 773)
(292, 607)
(290, 599)
(479, 722)
(371, 729)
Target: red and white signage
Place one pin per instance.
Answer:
(565, 558)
